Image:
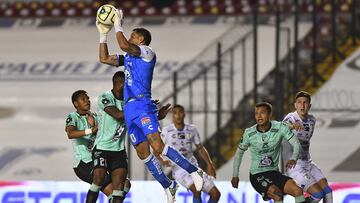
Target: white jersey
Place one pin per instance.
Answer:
(182, 140)
(305, 135)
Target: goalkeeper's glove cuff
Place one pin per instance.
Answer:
(103, 38)
(118, 28)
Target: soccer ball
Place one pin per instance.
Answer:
(106, 14)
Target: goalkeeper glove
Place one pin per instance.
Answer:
(118, 21)
(103, 31)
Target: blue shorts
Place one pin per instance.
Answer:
(141, 119)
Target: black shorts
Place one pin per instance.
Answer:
(110, 160)
(262, 181)
(84, 172)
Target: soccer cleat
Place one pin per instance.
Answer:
(197, 177)
(171, 192)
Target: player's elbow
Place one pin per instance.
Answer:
(104, 59)
(125, 47)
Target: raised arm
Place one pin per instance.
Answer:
(124, 44)
(104, 57)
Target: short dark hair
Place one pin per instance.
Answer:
(179, 106)
(120, 75)
(145, 33)
(267, 105)
(76, 94)
(303, 94)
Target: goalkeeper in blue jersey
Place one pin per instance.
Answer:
(140, 112)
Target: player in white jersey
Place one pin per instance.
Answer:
(182, 136)
(306, 173)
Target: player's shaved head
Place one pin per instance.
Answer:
(145, 33)
(118, 76)
(76, 94)
(266, 105)
(303, 94)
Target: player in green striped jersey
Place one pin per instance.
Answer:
(264, 141)
(81, 128)
(109, 154)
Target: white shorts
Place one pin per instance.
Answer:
(305, 173)
(184, 178)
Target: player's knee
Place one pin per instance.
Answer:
(158, 147)
(297, 191)
(98, 176)
(215, 194)
(142, 154)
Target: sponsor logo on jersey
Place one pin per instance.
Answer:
(145, 121)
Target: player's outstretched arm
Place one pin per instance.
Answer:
(113, 60)
(163, 111)
(104, 57)
(124, 44)
(205, 156)
(236, 166)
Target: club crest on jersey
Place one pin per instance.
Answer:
(68, 120)
(145, 121)
(105, 101)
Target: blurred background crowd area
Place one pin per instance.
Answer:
(87, 8)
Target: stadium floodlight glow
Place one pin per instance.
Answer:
(80, 5)
(246, 9)
(34, 5)
(135, 11)
(96, 4)
(24, 12)
(87, 11)
(150, 11)
(182, 10)
(181, 3)
(214, 10)
(56, 12)
(197, 3)
(198, 10)
(19, 5)
(64, 5)
(71, 12)
(229, 9)
(49, 5)
(127, 4)
(212, 2)
(166, 11)
(9, 12)
(40, 12)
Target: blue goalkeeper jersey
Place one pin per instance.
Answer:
(139, 74)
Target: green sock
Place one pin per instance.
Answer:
(300, 199)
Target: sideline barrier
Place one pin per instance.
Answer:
(144, 192)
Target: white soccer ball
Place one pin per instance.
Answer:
(106, 14)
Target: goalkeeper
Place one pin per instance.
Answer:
(140, 112)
